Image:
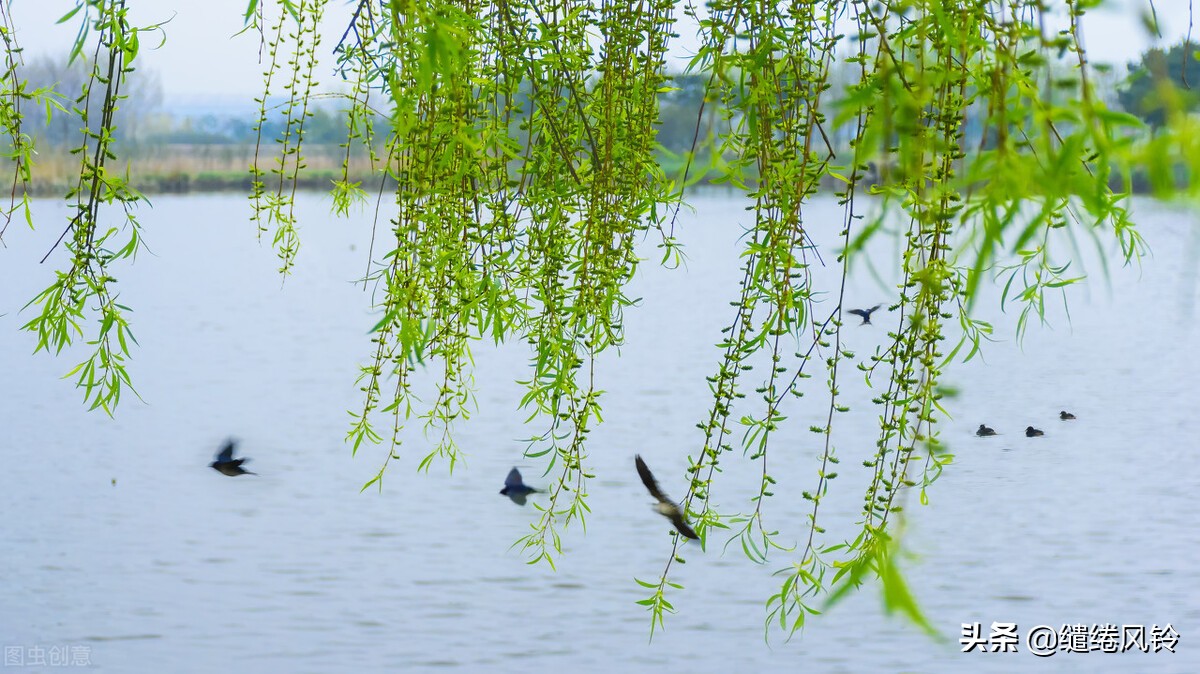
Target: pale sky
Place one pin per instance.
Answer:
(201, 59)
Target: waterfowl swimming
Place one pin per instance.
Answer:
(1065, 415)
(984, 431)
(1031, 432)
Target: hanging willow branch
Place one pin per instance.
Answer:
(92, 243)
(522, 149)
(518, 168)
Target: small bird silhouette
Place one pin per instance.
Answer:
(515, 489)
(984, 431)
(226, 464)
(865, 314)
(1031, 432)
(665, 506)
(1065, 415)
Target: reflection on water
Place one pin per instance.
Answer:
(295, 570)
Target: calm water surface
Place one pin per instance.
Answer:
(179, 569)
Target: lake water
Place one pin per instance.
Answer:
(179, 569)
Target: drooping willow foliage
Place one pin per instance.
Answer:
(92, 243)
(519, 172)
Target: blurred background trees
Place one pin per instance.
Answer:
(1161, 83)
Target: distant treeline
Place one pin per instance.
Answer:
(143, 122)
(182, 150)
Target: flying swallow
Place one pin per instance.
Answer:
(1031, 432)
(515, 489)
(665, 506)
(984, 431)
(227, 465)
(865, 314)
(1065, 415)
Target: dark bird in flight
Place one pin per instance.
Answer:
(984, 431)
(665, 506)
(865, 314)
(515, 489)
(227, 465)
(1065, 415)
(1031, 432)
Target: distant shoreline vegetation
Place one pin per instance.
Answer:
(168, 149)
(182, 168)
(179, 168)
